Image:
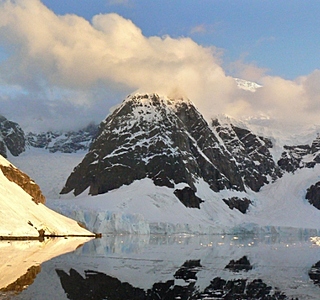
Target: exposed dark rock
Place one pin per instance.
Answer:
(169, 142)
(242, 289)
(314, 273)
(12, 138)
(313, 195)
(66, 142)
(97, 285)
(315, 146)
(25, 182)
(240, 204)
(297, 157)
(169, 290)
(3, 148)
(242, 264)
(291, 158)
(188, 197)
(251, 153)
(188, 271)
(165, 140)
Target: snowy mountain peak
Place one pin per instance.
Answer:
(151, 104)
(247, 85)
(169, 142)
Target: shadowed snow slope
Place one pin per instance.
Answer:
(22, 217)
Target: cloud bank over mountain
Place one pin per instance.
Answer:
(68, 71)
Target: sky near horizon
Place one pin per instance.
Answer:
(64, 63)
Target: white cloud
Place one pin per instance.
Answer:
(67, 66)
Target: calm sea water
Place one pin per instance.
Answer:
(171, 267)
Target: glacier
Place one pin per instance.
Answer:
(143, 208)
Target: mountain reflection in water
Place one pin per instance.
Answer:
(180, 267)
(97, 285)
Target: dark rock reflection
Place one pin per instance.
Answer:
(97, 285)
(242, 264)
(314, 273)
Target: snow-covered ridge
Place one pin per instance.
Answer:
(247, 85)
(149, 106)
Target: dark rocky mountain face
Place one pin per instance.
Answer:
(66, 142)
(169, 141)
(302, 156)
(313, 195)
(12, 138)
(251, 153)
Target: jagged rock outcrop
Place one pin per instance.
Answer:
(242, 289)
(251, 153)
(168, 141)
(313, 195)
(188, 271)
(188, 197)
(184, 286)
(314, 273)
(24, 181)
(301, 156)
(66, 142)
(240, 204)
(12, 138)
(153, 137)
(242, 264)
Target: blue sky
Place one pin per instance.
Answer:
(65, 63)
(280, 36)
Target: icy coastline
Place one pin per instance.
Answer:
(108, 222)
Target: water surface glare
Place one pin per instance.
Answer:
(179, 267)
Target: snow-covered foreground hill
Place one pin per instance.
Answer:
(21, 216)
(144, 208)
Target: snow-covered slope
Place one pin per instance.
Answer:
(22, 217)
